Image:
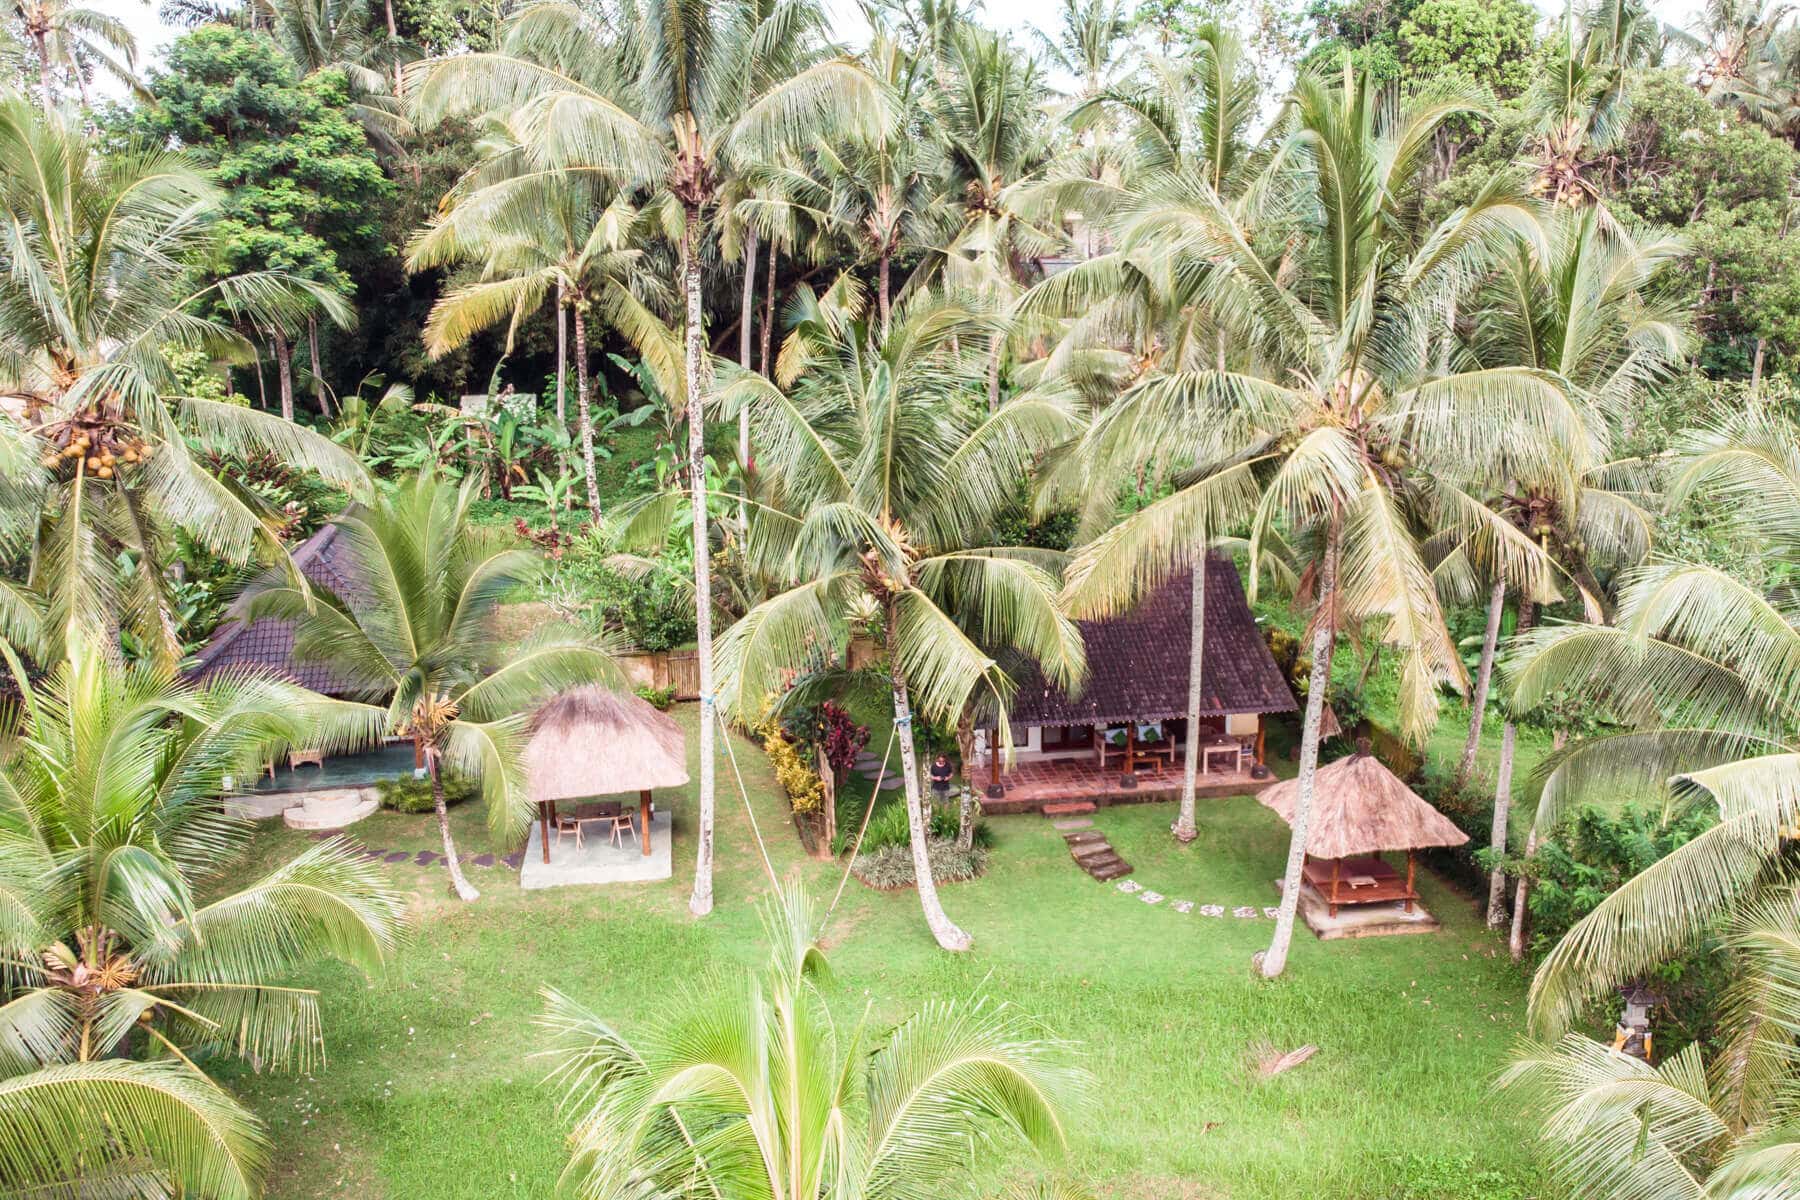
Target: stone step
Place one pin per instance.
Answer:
(1083, 836)
(1069, 808)
(1086, 854)
(1072, 823)
(1118, 868)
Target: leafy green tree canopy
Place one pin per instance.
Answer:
(305, 193)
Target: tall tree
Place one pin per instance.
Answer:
(303, 190)
(646, 93)
(888, 479)
(418, 639)
(534, 235)
(118, 977)
(97, 283)
(66, 39)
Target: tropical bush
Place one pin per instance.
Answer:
(891, 867)
(412, 796)
(662, 699)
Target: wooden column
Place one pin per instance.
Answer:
(1409, 880)
(995, 790)
(1336, 866)
(544, 807)
(644, 821)
(1260, 731)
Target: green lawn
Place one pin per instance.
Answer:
(431, 1090)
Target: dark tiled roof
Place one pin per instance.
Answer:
(1138, 663)
(268, 643)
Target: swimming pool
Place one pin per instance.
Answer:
(391, 761)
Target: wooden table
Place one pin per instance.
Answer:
(1212, 749)
(547, 814)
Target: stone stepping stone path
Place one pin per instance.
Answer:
(424, 858)
(1095, 855)
(1089, 847)
(1242, 912)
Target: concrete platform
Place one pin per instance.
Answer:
(331, 810)
(260, 806)
(598, 861)
(1360, 920)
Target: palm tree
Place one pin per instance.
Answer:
(1579, 109)
(416, 635)
(67, 38)
(1089, 35)
(535, 233)
(886, 479)
(1585, 307)
(652, 94)
(97, 281)
(1618, 1128)
(117, 977)
(1334, 422)
(851, 1113)
(1699, 670)
(1125, 315)
(987, 117)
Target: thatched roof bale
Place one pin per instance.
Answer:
(592, 742)
(1361, 807)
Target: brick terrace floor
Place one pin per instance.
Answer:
(1032, 784)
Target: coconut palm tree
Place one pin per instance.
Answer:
(534, 234)
(885, 477)
(851, 1113)
(1127, 315)
(67, 39)
(1699, 671)
(97, 282)
(1618, 1128)
(987, 115)
(118, 978)
(1087, 44)
(415, 634)
(1587, 308)
(653, 95)
(1330, 419)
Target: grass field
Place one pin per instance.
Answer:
(431, 1090)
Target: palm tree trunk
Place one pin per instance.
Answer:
(942, 928)
(882, 293)
(746, 317)
(1484, 675)
(1515, 941)
(965, 750)
(562, 354)
(1509, 736)
(464, 889)
(1324, 638)
(284, 361)
(1756, 367)
(46, 79)
(318, 373)
(1185, 830)
(994, 347)
(393, 42)
(768, 329)
(702, 900)
(583, 413)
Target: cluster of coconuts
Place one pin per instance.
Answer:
(105, 452)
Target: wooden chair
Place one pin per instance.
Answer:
(567, 823)
(623, 824)
(299, 758)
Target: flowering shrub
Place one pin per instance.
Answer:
(829, 726)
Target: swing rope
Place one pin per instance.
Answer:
(744, 794)
(868, 812)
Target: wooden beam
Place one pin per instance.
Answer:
(644, 821)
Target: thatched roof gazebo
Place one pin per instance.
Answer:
(1360, 810)
(591, 742)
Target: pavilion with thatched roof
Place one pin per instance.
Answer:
(589, 742)
(1360, 811)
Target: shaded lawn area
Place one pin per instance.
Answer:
(431, 1089)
